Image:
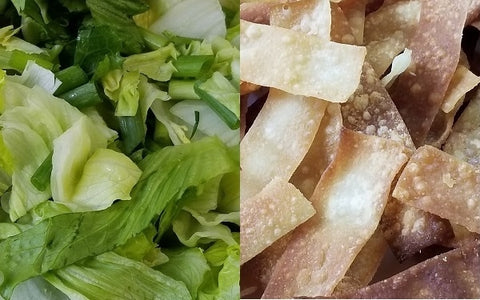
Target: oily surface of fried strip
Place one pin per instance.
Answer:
(371, 110)
(269, 215)
(278, 139)
(256, 12)
(365, 264)
(355, 13)
(454, 274)
(408, 229)
(321, 153)
(441, 184)
(349, 201)
(464, 141)
(340, 31)
(311, 17)
(419, 92)
(298, 63)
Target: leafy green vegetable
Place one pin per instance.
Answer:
(65, 239)
(111, 276)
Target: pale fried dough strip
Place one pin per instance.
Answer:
(278, 139)
(269, 215)
(349, 200)
(443, 185)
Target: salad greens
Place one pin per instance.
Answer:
(119, 149)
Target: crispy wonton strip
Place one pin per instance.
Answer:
(387, 32)
(451, 275)
(464, 141)
(311, 17)
(278, 139)
(463, 81)
(256, 12)
(419, 92)
(443, 185)
(355, 13)
(321, 153)
(365, 264)
(340, 31)
(349, 201)
(408, 229)
(371, 110)
(269, 215)
(298, 63)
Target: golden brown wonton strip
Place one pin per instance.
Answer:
(355, 13)
(278, 139)
(454, 275)
(256, 12)
(443, 185)
(365, 265)
(269, 215)
(349, 201)
(321, 153)
(419, 92)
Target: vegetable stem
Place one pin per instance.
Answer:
(71, 78)
(83, 96)
(182, 89)
(192, 65)
(223, 112)
(41, 178)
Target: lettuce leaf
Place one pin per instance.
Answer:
(65, 239)
(111, 276)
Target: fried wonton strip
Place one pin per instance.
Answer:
(473, 11)
(321, 153)
(387, 32)
(464, 141)
(349, 201)
(453, 275)
(311, 17)
(463, 81)
(269, 215)
(247, 87)
(298, 63)
(355, 13)
(278, 139)
(441, 184)
(256, 12)
(419, 92)
(340, 31)
(365, 265)
(409, 230)
(256, 273)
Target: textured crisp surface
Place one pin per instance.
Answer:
(419, 92)
(278, 139)
(311, 17)
(388, 30)
(349, 201)
(298, 63)
(321, 153)
(464, 141)
(371, 110)
(269, 215)
(443, 185)
(455, 274)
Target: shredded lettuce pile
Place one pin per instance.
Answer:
(119, 149)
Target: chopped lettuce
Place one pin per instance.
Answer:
(65, 239)
(111, 276)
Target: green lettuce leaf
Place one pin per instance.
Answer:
(85, 176)
(187, 265)
(111, 276)
(67, 238)
(39, 289)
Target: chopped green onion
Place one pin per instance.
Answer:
(192, 65)
(83, 96)
(222, 111)
(195, 126)
(132, 131)
(71, 78)
(182, 89)
(41, 178)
